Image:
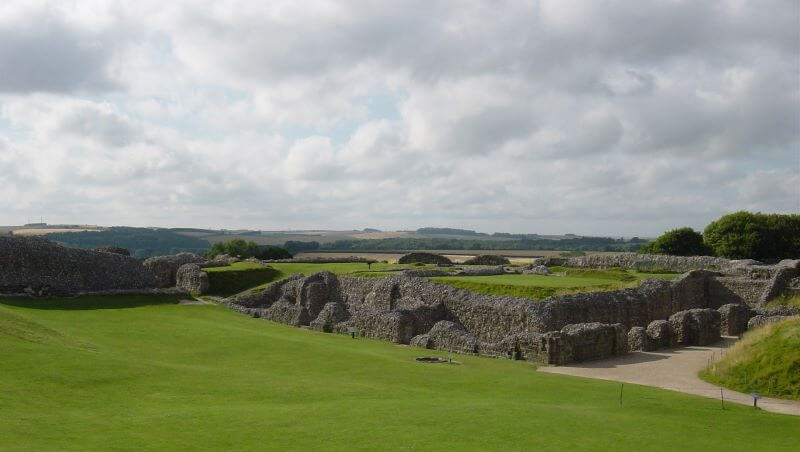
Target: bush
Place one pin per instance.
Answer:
(424, 258)
(488, 259)
(273, 252)
(746, 235)
(678, 242)
(235, 247)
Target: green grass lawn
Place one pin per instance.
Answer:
(766, 361)
(136, 372)
(537, 287)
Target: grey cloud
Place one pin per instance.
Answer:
(52, 57)
(105, 126)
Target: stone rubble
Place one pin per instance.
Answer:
(165, 268)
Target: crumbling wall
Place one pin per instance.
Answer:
(192, 279)
(777, 285)
(165, 268)
(734, 318)
(416, 310)
(37, 266)
(694, 327)
(649, 262)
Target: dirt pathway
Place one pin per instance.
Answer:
(674, 369)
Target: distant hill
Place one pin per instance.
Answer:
(449, 231)
(141, 242)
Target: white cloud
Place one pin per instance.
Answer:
(613, 118)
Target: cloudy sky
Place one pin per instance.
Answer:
(590, 117)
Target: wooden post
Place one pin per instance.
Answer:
(622, 386)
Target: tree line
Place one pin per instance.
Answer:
(739, 235)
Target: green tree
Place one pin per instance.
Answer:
(236, 247)
(678, 242)
(746, 235)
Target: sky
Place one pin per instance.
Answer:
(616, 118)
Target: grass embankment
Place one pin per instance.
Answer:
(785, 300)
(242, 276)
(225, 281)
(537, 287)
(766, 360)
(163, 376)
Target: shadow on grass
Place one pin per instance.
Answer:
(229, 282)
(91, 302)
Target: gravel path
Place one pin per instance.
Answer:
(674, 369)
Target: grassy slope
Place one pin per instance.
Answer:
(785, 300)
(247, 275)
(166, 376)
(240, 276)
(537, 287)
(766, 360)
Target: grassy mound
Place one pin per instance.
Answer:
(487, 259)
(424, 258)
(766, 360)
(21, 327)
(164, 376)
(537, 287)
(239, 276)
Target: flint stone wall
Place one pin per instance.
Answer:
(37, 266)
(192, 279)
(761, 320)
(694, 327)
(656, 262)
(637, 339)
(165, 268)
(734, 318)
(407, 309)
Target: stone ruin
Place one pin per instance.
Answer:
(37, 266)
(165, 268)
(693, 309)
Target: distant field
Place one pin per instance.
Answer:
(45, 231)
(145, 373)
(458, 256)
(281, 237)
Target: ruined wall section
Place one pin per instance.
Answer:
(418, 311)
(650, 262)
(37, 266)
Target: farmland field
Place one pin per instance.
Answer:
(457, 256)
(142, 372)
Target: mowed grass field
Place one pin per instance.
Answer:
(142, 372)
(537, 287)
